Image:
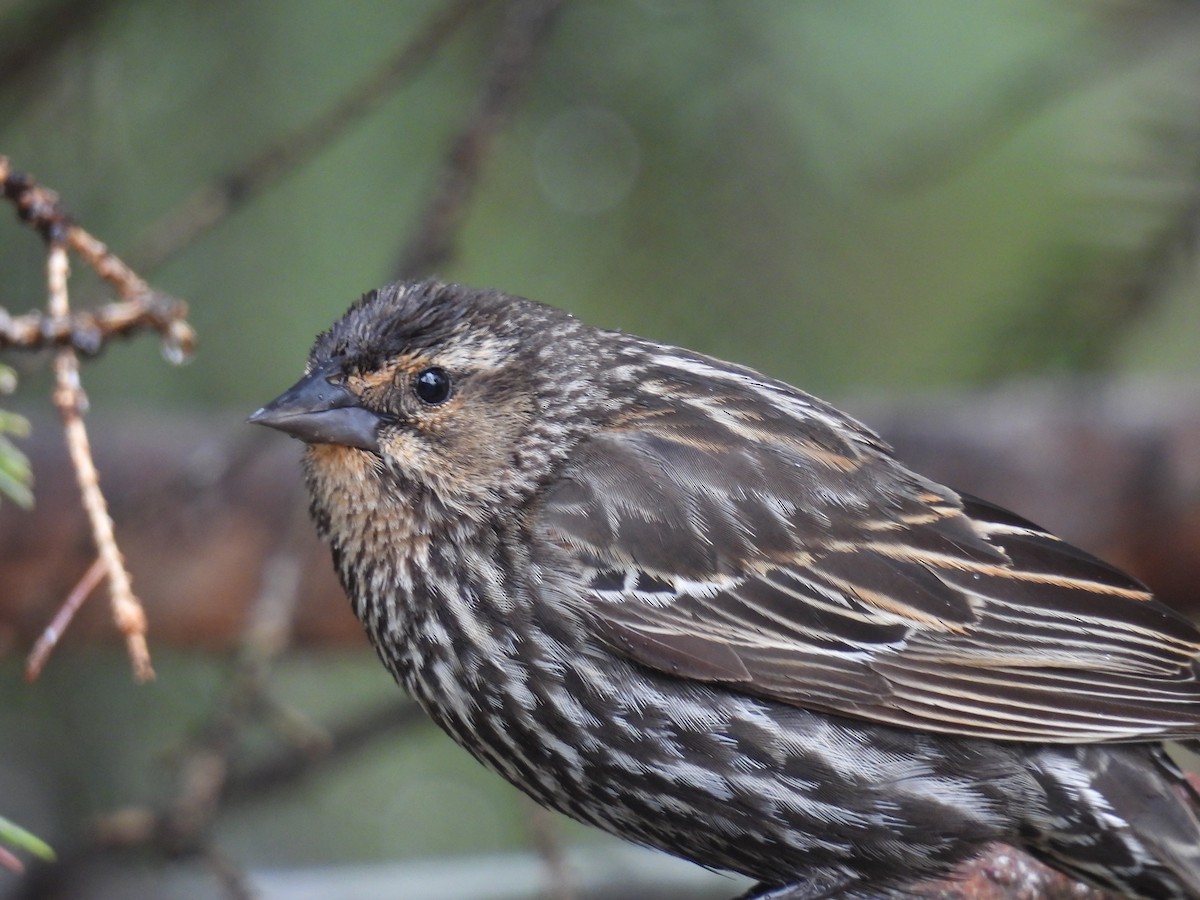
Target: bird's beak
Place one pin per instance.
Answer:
(320, 412)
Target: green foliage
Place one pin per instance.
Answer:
(15, 475)
(15, 836)
(15, 480)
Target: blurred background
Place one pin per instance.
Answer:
(982, 215)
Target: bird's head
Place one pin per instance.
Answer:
(438, 391)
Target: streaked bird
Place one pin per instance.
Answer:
(698, 608)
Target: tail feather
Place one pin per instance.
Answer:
(1121, 817)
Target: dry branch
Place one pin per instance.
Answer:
(39, 208)
(71, 402)
(87, 331)
(212, 203)
(141, 307)
(45, 645)
(525, 27)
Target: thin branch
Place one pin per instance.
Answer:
(35, 34)
(205, 768)
(204, 780)
(71, 402)
(62, 619)
(87, 332)
(181, 823)
(524, 28)
(39, 208)
(293, 763)
(212, 203)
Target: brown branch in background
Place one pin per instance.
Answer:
(182, 823)
(34, 33)
(292, 763)
(246, 700)
(39, 208)
(206, 774)
(212, 203)
(1128, 35)
(525, 26)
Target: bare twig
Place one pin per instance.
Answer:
(204, 779)
(35, 34)
(39, 208)
(71, 402)
(58, 625)
(181, 824)
(212, 203)
(293, 763)
(526, 24)
(87, 332)
(206, 765)
(106, 263)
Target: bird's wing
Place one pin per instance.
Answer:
(734, 530)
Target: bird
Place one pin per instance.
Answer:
(696, 607)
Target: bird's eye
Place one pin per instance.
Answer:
(432, 386)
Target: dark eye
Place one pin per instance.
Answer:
(432, 386)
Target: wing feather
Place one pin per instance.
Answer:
(734, 530)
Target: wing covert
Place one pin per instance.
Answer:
(780, 550)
